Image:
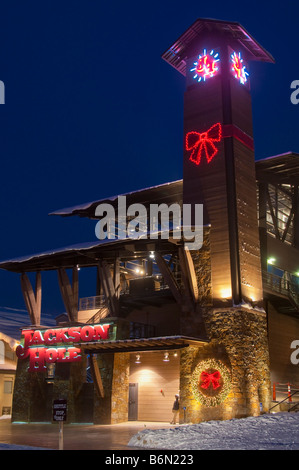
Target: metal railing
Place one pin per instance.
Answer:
(284, 389)
(282, 286)
(92, 303)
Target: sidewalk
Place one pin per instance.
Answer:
(75, 437)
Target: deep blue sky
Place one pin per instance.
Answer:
(92, 110)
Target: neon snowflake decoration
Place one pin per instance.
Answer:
(206, 65)
(238, 68)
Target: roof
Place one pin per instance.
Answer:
(177, 54)
(279, 169)
(88, 254)
(282, 169)
(167, 193)
(142, 344)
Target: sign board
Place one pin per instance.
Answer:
(59, 410)
(59, 344)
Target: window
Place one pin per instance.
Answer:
(8, 386)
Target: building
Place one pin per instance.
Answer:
(215, 322)
(8, 365)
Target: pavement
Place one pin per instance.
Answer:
(75, 437)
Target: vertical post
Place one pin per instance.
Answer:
(289, 392)
(274, 392)
(60, 435)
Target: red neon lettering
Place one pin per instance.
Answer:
(37, 338)
(61, 335)
(74, 333)
(61, 355)
(74, 354)
(87, 333)
(49, 337)
(37, 360)
(27, 337)
(101, 331)
(51, 355)
(22, 352)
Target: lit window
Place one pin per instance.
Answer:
(8, 386)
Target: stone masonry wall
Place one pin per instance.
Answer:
(120, 388)
(238, 339)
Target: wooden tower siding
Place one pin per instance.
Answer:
(227, 184)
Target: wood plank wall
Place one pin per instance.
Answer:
(207, 182)
(283, 329)
(248, 234)
(152, 376)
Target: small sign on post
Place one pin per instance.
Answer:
(59, 414)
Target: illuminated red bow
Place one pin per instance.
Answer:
(203, 143)
(206, 379)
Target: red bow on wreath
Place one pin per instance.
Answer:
(206, 379)
(203, 143)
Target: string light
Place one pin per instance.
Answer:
(202, 143)
(238, 69)
(211, 382)
(206, 65)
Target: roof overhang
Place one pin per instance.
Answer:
(89, 254)
(167, 193)
(279, 169)
(142, 344)
(176, 54)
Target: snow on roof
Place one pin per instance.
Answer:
(85, 206)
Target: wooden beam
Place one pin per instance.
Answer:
(169, 278)
(32, 299)
(69, 293)
(274, 219)
(116, 277)
(187, 261)
(109, 289)
(96, 376)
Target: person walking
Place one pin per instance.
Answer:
(175, 409)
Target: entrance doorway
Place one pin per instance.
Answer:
(155, 377)
(133, 402)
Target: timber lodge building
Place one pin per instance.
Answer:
(214, 325)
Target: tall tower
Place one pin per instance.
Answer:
(219, 166)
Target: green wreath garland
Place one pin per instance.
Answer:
(206, 396)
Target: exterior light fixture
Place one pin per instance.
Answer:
(137, 360)
(271, 260)
(152, 254)
(226, 293)
(166, 357)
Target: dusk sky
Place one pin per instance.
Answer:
(91, 110)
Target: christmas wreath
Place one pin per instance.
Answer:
(211, 382)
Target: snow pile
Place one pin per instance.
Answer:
(17, 447)
(278, 431)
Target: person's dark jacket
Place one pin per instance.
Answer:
(176, 404)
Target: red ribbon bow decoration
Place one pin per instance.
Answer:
(203, 143)
(207, 378)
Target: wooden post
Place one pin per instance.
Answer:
(32, 300)
(109, 288)
(168, 276)
(69, 293)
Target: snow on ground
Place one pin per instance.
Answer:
(278, 431)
